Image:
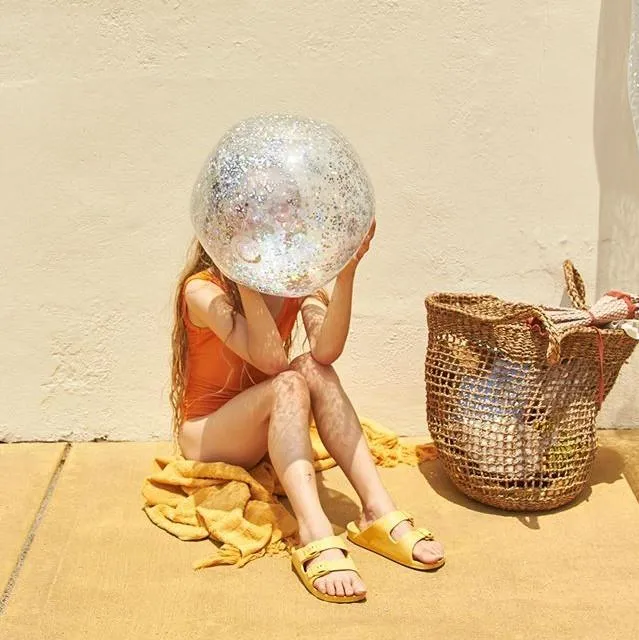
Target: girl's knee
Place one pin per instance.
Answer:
(312, 370)
(292, 385)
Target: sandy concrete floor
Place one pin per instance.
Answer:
(97, 568)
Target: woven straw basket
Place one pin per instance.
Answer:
(512, 401)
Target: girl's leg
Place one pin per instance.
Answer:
(342, 435)
(273, 416)
(237, 433)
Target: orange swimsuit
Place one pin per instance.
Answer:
(214, 373)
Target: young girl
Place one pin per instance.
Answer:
(237, 397)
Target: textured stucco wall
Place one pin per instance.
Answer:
(618, 169)
(474, 119)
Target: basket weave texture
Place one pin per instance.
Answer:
(512, 399)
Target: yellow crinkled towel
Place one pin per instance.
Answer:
(239, 510)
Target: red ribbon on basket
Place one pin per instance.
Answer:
(620, 295)
(602, 382)
(536, 325)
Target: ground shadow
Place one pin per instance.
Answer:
(338, 507)
(607, 469)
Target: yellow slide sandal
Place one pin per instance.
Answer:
(377, 538)
(304, 555)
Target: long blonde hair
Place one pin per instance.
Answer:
(197, 260)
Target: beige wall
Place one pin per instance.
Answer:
(618, 169)
(474, 118)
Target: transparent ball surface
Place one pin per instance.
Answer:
(282, 204)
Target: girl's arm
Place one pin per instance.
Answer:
(264, 342)
(254, 338)
(327, 327)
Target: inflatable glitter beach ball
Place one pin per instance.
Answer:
(282, 204)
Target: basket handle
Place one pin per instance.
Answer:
(538, 320)
(553, 353)
(577, 291)
(575, 286)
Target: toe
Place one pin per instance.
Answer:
(339, 587)
(358, 586)
(429, 552)
(320, 585)
(435, 549)
(330, 588)
(348, 587)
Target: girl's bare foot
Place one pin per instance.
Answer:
(336, 583)
(425, 551)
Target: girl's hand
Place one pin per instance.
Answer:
(363, 249)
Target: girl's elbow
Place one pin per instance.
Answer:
(271, 363)
(325, 358)
(275, 367)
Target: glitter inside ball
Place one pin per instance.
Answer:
(245, 248)
(282, 204)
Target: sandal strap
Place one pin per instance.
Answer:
(392, 519)
(313, 549)
(320, 569)
(408, 541)
(426, 535)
